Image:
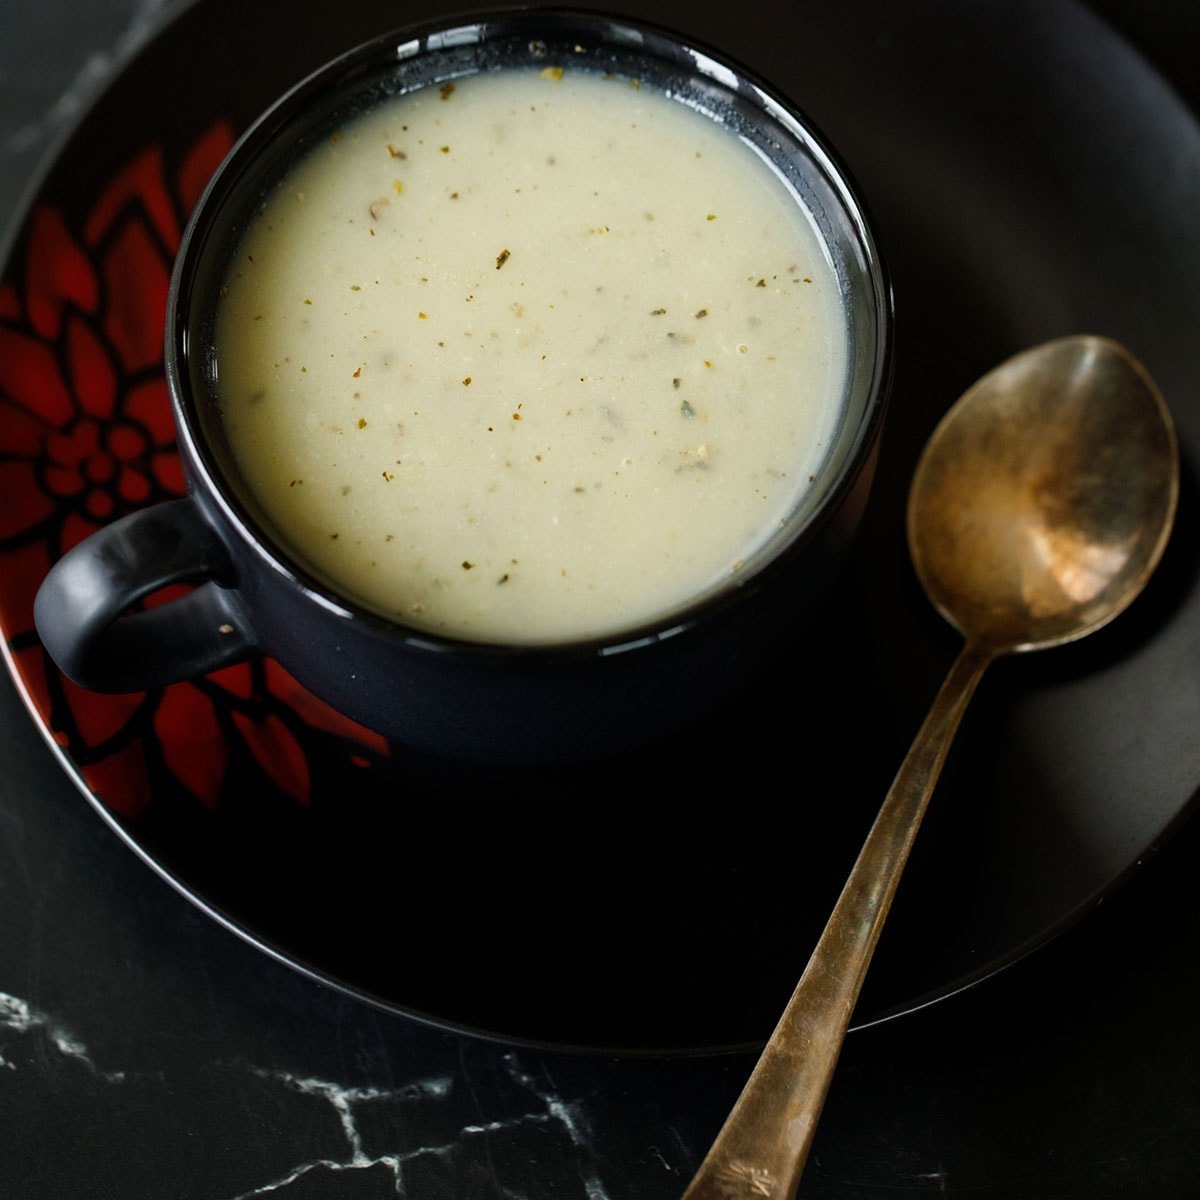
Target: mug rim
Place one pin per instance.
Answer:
(473, 27)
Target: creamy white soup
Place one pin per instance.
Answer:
(531, 357)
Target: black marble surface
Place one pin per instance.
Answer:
(146, 1052)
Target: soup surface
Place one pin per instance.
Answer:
(532, 357)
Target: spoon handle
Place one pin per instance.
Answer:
(764, 1143)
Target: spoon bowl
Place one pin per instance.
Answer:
(1044, 498)
(1039, 508)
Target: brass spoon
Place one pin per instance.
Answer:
(1039, 508)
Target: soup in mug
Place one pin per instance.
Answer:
(531, 357)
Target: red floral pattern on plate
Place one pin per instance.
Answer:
(86, 436)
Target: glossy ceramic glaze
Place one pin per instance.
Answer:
(490, 702)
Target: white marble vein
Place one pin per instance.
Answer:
(19, 1016)
(554, 1110)
(549, 1110)
(343, 1100)
(570, 1115)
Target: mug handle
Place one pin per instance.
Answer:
(81, 608)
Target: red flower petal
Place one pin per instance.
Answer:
(20, 431)
(29, 376)
(137, 279)
(276, 750)
(75, 448)
(141, 184)
(133, 486)
(238, 679)
(98, 717)
(150, 404)
(10, 303)
(126, 442)
(317, 713)
(22, 568)
(193, 744)
(99, 505)
(31, 671)
(167, 594)
(121, 780)
(57, 271)
(74, 529)
(23, 504)
(202, 160)
(91, 372)
(168, 470)
(65, 481)
(99, 467)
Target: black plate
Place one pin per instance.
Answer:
(1031, 177)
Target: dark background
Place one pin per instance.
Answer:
(146, 1052)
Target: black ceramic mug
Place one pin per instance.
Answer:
(255, 595)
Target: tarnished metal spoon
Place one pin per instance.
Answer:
(1038, 510)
